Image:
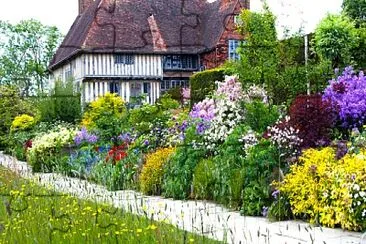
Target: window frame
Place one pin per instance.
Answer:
(128, 59)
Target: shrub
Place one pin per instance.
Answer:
(152, 172)
(328, 191)
(257, 170)
(175, 93)
(22, 122)
(203, 83)
(178, 174)
(47, 149)
(229, 180)
(203, 179)
(143, 118)
(255, 198)
(259, 116)
(348, 95)
(314, 118)
(280, 209)
(166, 102)
(63, 104)
(107, 114)
(12, 105)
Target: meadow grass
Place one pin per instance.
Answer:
(33, 214)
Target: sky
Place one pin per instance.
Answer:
(61, 13)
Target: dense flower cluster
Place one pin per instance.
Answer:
(348, 95)
(255, 92)
(339, 197)
(22, 122)
(228, 112)
(230, 89)
(249, 140)
(84, 136)
(285, 137)
(59, 137)
(204, 110)
(152, 172)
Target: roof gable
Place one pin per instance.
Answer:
(183, 26)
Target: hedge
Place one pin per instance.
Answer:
(202, 83)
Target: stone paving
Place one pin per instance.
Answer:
(196, 216)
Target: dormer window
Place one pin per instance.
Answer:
(124, 59)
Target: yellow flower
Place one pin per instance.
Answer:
(139, 230)
(152, 172)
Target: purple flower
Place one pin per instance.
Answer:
(146, 142)
(275, 194)
(84, 136)
(201, 128)
(353, 177)
(348, 96)
(265, 211)
(204, 110)
(126, 137)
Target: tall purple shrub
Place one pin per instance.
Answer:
(347, 94)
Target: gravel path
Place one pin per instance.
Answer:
(197, 216)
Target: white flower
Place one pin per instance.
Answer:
(356, 187)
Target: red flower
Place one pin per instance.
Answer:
(28, 144)
(117, 153)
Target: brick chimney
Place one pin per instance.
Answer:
(84, 4)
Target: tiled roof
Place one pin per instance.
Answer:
(145, 26)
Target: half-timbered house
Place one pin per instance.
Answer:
(134, 47)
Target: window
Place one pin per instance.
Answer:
(167, 84)
(68, 74)
(114, 87)
(180, 62)
(233, 45)
(124, 59)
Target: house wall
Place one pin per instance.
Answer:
(92, 74)
(103, 65)
(220, 53)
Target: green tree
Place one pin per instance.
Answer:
(355, 9)
(335, 38)
(26, 49)
(259, 54)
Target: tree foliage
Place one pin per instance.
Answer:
(260, 52)
(355, 9)
(26, 49)
(279, 65)
(335, 38)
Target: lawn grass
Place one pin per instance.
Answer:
(32, 214)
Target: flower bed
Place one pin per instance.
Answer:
(235, 147)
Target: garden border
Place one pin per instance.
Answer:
(200, 217)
